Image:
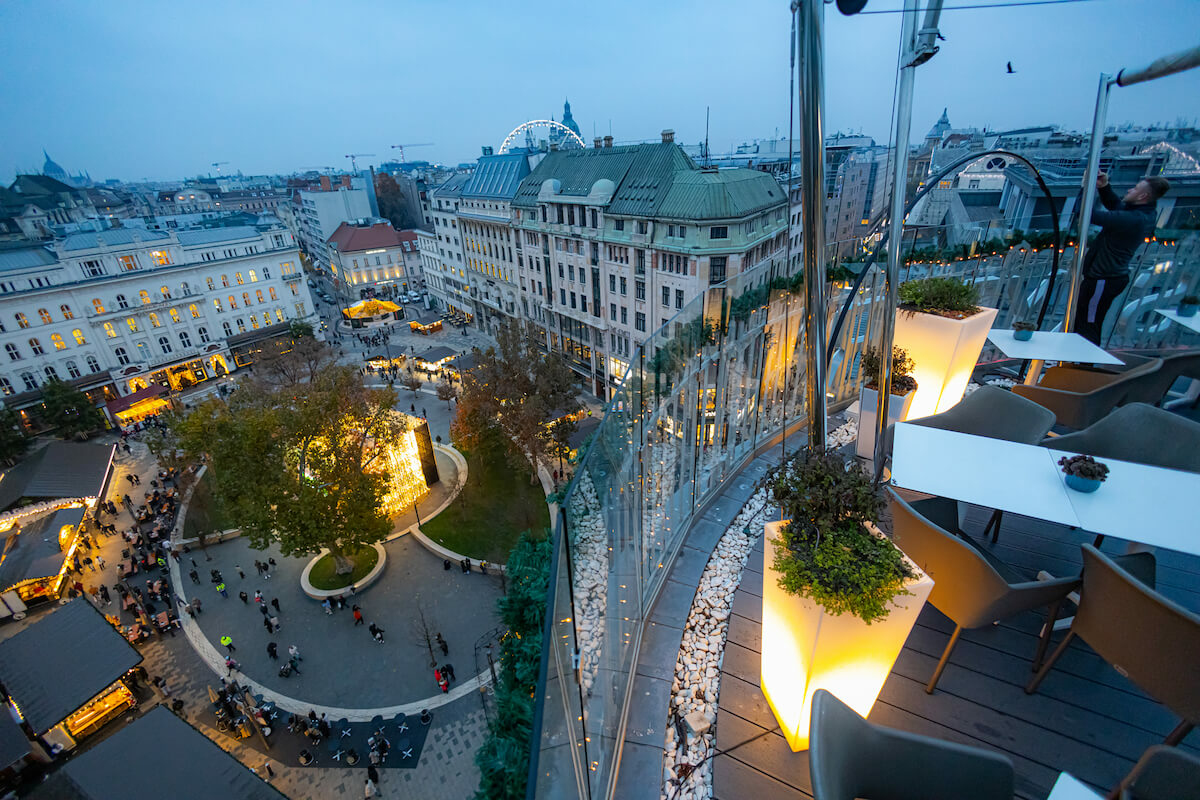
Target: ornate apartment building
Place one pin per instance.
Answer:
(121, 310)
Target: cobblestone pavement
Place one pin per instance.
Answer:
(446, 769)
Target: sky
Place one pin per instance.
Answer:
(160, 90)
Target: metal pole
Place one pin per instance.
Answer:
(902, 125)
(812, 192)
(1088, 197)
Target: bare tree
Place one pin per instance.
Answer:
(423, 630)
(412, 383)
(446, 391)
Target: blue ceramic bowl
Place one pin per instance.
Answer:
(1082, 484)
(1023, 336)
(1186, 309)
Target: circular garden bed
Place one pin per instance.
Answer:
(323, 576)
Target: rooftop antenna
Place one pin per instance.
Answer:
(706, 159)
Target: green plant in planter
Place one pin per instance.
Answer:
(945, 297)
(902, 366)
(1024, 326)
(826, 552)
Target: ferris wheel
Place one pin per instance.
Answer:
(536, 124)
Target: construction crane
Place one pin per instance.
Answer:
(401, 147)
(353, 159)
(318, 169)
(217, 165)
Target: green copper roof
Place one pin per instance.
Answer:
(653, 180)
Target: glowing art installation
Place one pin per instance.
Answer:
(804, 648)
(945, 351)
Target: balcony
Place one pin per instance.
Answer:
(695, 425)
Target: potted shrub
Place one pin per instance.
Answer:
(1023, 331)
(839, 599)
(1083, 473)
(902, 390)
(940, 324)
(1187, 306)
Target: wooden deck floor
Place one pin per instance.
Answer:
(1085, 719)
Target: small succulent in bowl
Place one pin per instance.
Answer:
(1023, 331)
(1188, 306)
(1084, 473)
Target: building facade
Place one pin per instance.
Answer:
(117, 310)
(320, 213)
(442, 252)
(371, 258)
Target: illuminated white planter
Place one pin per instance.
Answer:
(945, 352)
(804, 648)
(868, 404)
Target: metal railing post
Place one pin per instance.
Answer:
(812, 189)
(1088, 198)
(903, 122)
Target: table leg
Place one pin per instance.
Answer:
(1064, 623)
(1035, 371)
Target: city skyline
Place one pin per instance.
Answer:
(140, 91)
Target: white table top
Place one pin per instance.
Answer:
(1188, 322)
(1138, 502)
(987, 472)
(1068, 787)
(1051, 346)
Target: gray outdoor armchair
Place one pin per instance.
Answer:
(1176, 365)
(1162, 773)
(1146, 637)
(849, 757)
(1078, 397)
(1139, 433)
(970, 586)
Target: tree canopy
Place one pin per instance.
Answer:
(298, 455)
(13, 442)
(519, 389)
(392, 203)
(69, 410)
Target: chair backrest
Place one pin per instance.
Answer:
(1139, 433)
(1152, 386)
(996, 413)
(1163, 773)
(966, 587)
(1130, 385)
(849, 757)
(1146, 637)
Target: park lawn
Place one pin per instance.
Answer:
(488, 516)
(205, 513)
(323, 576)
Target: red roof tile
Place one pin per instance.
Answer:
(352, 238)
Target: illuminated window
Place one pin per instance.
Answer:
(132, 323)
(217, 304)
(21, 321)
(239, 279)
(271, 292)
(211, 283)
(254, 322)
(128, 263)
(160, 258)
(241, 325)
(253, 277)
(174, 315)
(232, 302)
(45, 315)
(109, 330)
(78, 334)
(6, 386)
(245, 298)
(166, 293)
(154, 321)
(98, 306)
(225, 281)
(66, 311)
(279, 314)
(194, 311)
(259, 295)
(266, 318)
(57, 341)
(36, 346)
(145, 297)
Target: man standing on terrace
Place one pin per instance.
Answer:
(1126, 223)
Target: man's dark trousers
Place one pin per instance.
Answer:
(1096, 296)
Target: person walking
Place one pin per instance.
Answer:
(272, 651)
(228, 642)
(275, 623)
(294, 652)
(328, 606)
(275, 603)
(196, 605)
(238, 569)
(442, 644)
(258, 597)
(1125, 223)
(376, 632)
(222, 590)
(100, 561)
(245, 598)
(294, 663)
(373, 775)
(358, 617)
(195, 576)
(267, 625)
(369, 789)
(448, 671)
(443, 684)
(104, 595)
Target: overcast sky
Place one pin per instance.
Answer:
(162, 89)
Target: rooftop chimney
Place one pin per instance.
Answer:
(608, 141)
(668, 136)
(598, 142)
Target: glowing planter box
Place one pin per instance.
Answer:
(804, 648)
(868, 405)
(945, 351)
